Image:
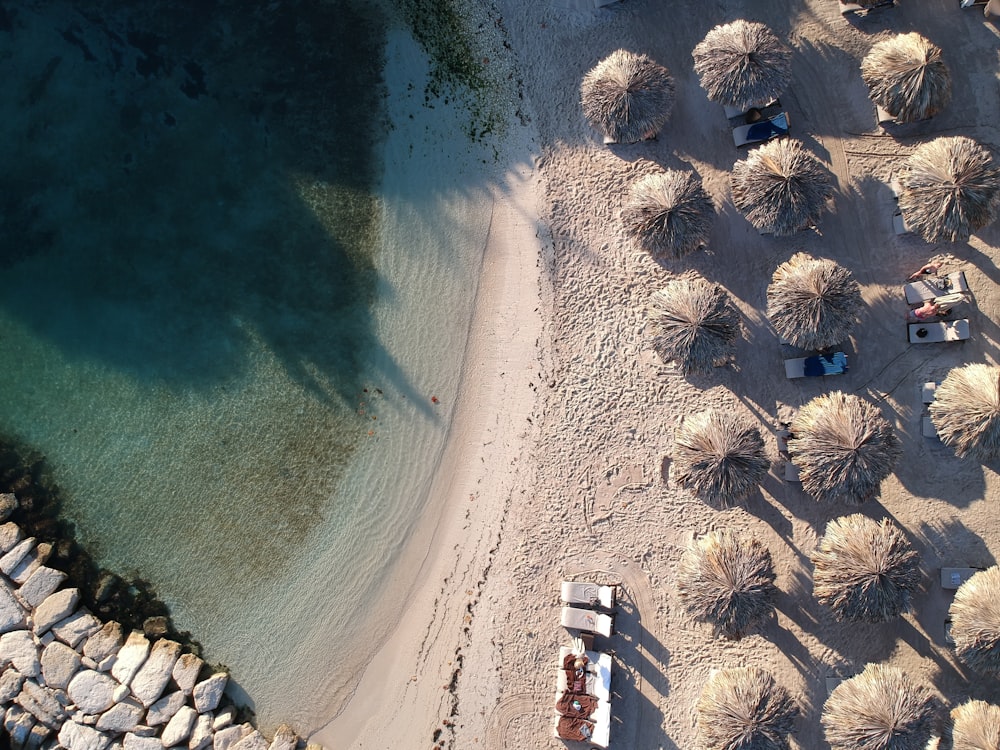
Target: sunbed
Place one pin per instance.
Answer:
(927, 391)
(899, 225)
(952, 578)
(884, 117)
(588, 594)
(758, 132)
(587, 620)
(939, 331)
(792, 472)
(935, 286)
(598, 673)
(927, 428)
(817, 365)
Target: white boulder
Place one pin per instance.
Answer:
(186, 672)
(10, 535)
(253, 741)
(12, 614)
(75, 736)
(92, 692)
(121, 717)
(10, 685)
(153, 676)
(45, 704)
(18, 724)
(75, 628)
(131, 657)
(163, 710)
(133, 741)
(30, 563)
(226, 737)
(178, 729)
(59, 664)
(284, 738)
(104, 643)
(208, 693)
(56, 607)
(40, 585)
(19, 648)
(224, 717)
(12, 558)
(201, 733)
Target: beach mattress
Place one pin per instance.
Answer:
(598, 674)
(577, 592)
(939, 331)
(586, 620)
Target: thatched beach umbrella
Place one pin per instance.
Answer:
(694, 323)
(949, 189)
(742, 64)
(745, 709)
(780, 187)
(728, 580)
(975, 725)
(627, 97)
(907, 78)
(719, 456)
(669, 213)
(975, 621)
(880, 709)
(843, 447)
(812, 303)
(966, 411)
(865, 569)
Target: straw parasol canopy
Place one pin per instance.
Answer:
(742, 64)
(812, 303)
(843, 447)
(907, 78)
(975, 725)
(880, 709)
(865, 569)
(975, 621)
(719, 456)
(728, 580)
(695, 324)
(627, 96)
(949, 189)
(745, 709)
(780, 187)
(966, 411)
(669, 213)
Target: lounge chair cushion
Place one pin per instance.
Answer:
(939, 331)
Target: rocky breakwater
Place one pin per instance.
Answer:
(68, 680)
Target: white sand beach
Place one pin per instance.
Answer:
(559, 458)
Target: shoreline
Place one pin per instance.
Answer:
(453, 544)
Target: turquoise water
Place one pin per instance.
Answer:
(236, 289)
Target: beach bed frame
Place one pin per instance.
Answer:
(952, 578)
(588, 594)
(938, 332)
(587, 620)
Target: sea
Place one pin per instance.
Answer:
(239, 249)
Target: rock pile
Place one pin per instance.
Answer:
(68, 680)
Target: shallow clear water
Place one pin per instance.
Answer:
(220, 326)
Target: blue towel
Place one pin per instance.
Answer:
(761, 131)
(836, 364)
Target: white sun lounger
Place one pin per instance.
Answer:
(598, 674)
(927, 428)
(587, 594)
(939, 331)
(927, 391)
(884, 117)
(952, 578)
(899, 225)
(587, 620)
(732, 112)
(792, 472)
(925, 289)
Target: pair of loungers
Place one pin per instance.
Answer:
(953, 285)
(585, 602)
